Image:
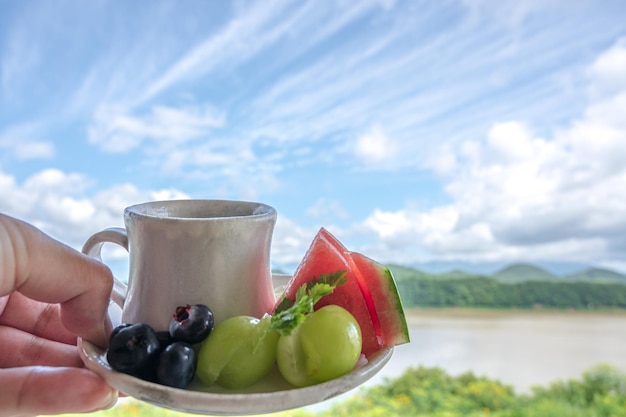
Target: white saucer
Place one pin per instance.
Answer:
(268, 396)
(273, 394)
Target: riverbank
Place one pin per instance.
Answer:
(432, 392)
(521, 347)
(414, 312)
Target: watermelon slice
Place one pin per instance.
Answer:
(355, 276)
(323, 257)
(370, 292)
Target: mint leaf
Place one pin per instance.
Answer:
(289, 315)
(284, 304)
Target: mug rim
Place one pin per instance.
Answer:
(170, 209)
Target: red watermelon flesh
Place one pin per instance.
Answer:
(381, 291)
(323, 257)
(386, 298)
(354, 275)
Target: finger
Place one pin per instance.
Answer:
(36, 318)
(46, 270)
(18, 348)
(36, 390)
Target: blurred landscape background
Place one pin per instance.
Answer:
(476, 147)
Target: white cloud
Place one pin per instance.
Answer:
(22, 143)
(34, 150)
(290, 241)
(510, 141)
(21, 56)
(304, 77)
(54, 180)
(510, 13)
(434, 231)
(66, 206)
(242, 37)
(375, 147)
(327, 208)
(210, 156)
(254, 29)
(518, 196)
(51, 199)
(607, 72)
(166, 127)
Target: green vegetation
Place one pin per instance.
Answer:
(431, 392)
(526, 272)
(518, 272)
(518, 287)
(523, 272)
(597, 275)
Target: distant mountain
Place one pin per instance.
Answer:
(401, 273)
(597, 275)
(489, 268)
(406, 272)
(517, 272)
(524, 272)
(460, 274)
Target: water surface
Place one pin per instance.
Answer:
(521, 348)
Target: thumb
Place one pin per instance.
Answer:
(35, 390)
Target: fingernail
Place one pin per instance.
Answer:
(109, 401)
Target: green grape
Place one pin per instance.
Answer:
(325, 346)
(239, 351)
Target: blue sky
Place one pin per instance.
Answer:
(452, 131)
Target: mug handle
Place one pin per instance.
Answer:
(93, 248)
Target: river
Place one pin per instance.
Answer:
(520, 348)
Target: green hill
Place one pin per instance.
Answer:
(518, 272)
(457, 274)
(401, 273)
(516, 286)
(523, 272)
(597, 275)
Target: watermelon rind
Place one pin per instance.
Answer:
(385, 306)
(389, 307)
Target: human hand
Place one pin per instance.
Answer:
(49, 295)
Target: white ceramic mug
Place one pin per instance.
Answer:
(214, 252)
